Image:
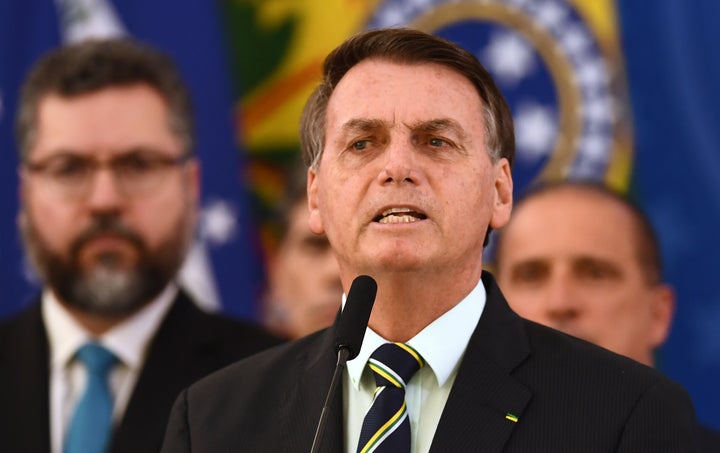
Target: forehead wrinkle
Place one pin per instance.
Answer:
(363, 125)
(438, 125)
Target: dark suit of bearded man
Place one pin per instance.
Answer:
(188, 345)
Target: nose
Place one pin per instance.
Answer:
(399, 165)
(104, 194)
(562, 305)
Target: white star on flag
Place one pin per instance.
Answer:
(509, 56)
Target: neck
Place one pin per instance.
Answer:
(96, 325)
(406, 303)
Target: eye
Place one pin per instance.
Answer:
(436, 142)
(138, 164)
(531, 272)
(597, 270)
(67, 168)
(360, 145)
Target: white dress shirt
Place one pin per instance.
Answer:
(128, 340)
(442, 345)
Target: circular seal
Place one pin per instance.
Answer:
(563, 87)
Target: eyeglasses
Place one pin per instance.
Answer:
(135, 173)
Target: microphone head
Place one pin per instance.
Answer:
(355, 315)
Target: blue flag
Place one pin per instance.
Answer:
(223, 269)
(673, 70)
(27, 30)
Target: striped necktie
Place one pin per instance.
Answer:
(386, 427)
(91, 424)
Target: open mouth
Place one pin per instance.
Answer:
(399, 215)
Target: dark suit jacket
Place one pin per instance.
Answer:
(568, 395)
(709, 440)
(188, 345)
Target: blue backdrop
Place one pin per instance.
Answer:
(673, 70)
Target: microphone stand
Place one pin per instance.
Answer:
(343, 354)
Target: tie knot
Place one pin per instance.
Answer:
(96, 358)
(394, 364)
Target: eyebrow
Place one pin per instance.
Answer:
(439, 125)
(430, 126)
(132, 150)
(363, 125)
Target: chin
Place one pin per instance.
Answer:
(399, 262)
(111, 260)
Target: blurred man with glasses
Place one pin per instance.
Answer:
(109, 189)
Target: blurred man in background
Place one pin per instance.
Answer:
(304, 288)
(109, 190)
(581, 258)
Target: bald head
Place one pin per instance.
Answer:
(582, 259)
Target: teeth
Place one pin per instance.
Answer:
(398, 219)
(395, 211)
(399, 215)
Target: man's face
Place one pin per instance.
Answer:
(304, 278)
(569, 260)
(110, 247)
(405, 182)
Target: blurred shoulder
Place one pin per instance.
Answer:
(562, 365)
(185, 315)
(284, 362)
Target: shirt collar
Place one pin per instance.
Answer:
(442, 343)
(127, 340)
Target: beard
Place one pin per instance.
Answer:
(107, 287)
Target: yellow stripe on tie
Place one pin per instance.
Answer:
(385, 374)
(412, 352)
(384, 428)
(511, 417)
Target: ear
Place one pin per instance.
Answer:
(21, 217)
(503, 194)
(194, 179)
(272, 263)
(663, 309)
(314, 221)
(22, 186)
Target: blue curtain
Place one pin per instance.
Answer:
(673, 69)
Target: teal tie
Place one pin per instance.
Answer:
(91, 424)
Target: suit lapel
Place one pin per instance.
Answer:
(302, 408)
(170, 365)
(485, 397)
(24, 388)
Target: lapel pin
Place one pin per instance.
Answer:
(511, 417)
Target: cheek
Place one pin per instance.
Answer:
(616, 315)
(331, 211)
(524, 301)
(471, 195)
(157, 219)
(530, 307)
(293, 278)
(55, 223)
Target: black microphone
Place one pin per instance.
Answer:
(350, 332)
